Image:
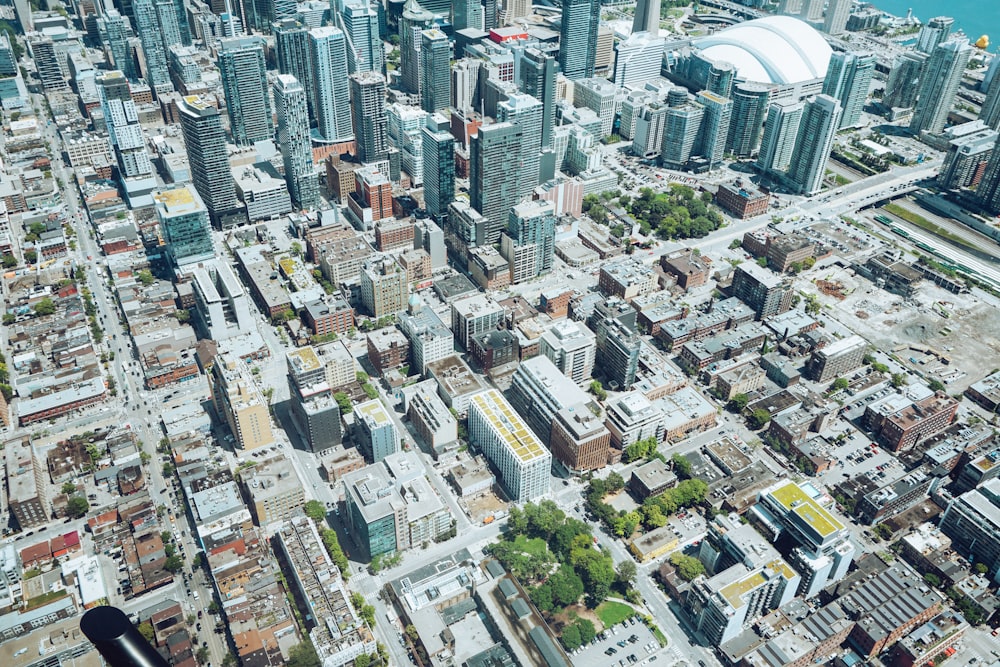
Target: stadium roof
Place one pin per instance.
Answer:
(774, 49)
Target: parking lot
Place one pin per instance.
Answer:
(628, 643)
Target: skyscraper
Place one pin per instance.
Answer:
(780, 132)
(439, 166)
(904, 80)
(988, 192)
(495, 174)
(990, 112)
(365, 52)
(837, 13)
(638, 59)
(532, 223)
(681, 129)
(648, 139)
(525, 112)
(293, 139)
(812, 10)
(331, 97)
(368, 110)
(714, 127)
(115, 32)
(749, 107)
(720, 78)
(819, 124)
(124, 130)
(147, 25)
(205, 141)
(184, 225)
(291, 40)
(435, 75)
(578, 37)
(939, 85)
(934, 32)
(790, 7)
(414, 20)
(847, 79)
(538, 79)
(244, 78)
(647, 17)
(467, 14)
(170, 24)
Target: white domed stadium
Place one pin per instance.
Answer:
(776, 49)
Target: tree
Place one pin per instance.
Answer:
(68, 488)
(9, 318)
(9, 261)
(314, 510)
(202, 655)
(303, 655)
(343, 402)
(737, 403)
(626, 571)
(688, 567)
(839, 385)
(932, 579)
(981, 568)
(758, 419)
(363, 660)
(77, 506)
(571, 637)
(614, 482)
(229, 660)
(296, 248)
(146, 630)
(597, 389)
(174, 564)
(587, 630)
(897, 380)
(935, 385)
(30, 256)
(145, 277)
(682, 467)
(762, 261)
(45, 307)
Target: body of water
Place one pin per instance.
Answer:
(975, 17)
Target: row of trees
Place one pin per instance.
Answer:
(654, 511)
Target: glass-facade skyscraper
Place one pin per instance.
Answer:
(439, 166)
(205, 140)
(293, 139)
(435, 71)
(939, 84)
(331, 98)
(244, 79)
(820, 121)
(847, 79)
(578, 38)
(495, 174)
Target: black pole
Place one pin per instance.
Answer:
(117, 640)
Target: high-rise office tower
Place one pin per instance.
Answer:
(780, 132)
(435, 75)
(812, 10)
(939, 85)
(115, 32)
(578, 38)
(820, 120)
(527, 113)
(147, 25)
(714, 127)
(749, 107)
(648, 139)
(331, 97)
(170, 27)
(124, 130)
(467, 14)
(368, 110)
(647, 17)
(904, 80)
(244, 79)
(491, 14)
(681, 129)
(365, 52)
(531, 223)
(495, 174)
(720, 78)
(934, 32)
(293, 139)
(990, 112)
(847, 79)
(515, 9)
(837, 13)
(538, 79)
(638, 59)
(205, 140)
(414, 20)
(439, 166)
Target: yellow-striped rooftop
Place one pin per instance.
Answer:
(518, 437)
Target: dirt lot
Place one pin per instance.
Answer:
(483, 506)
(959, 326)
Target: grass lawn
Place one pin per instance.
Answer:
(536, 546)
(613, 613)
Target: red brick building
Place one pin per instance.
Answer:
(328, 317)
(900, 429)
(393, 234)
(742, 199)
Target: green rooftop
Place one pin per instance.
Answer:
(796, 501)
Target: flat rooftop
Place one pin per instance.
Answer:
(798, 502)
(518, 437)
